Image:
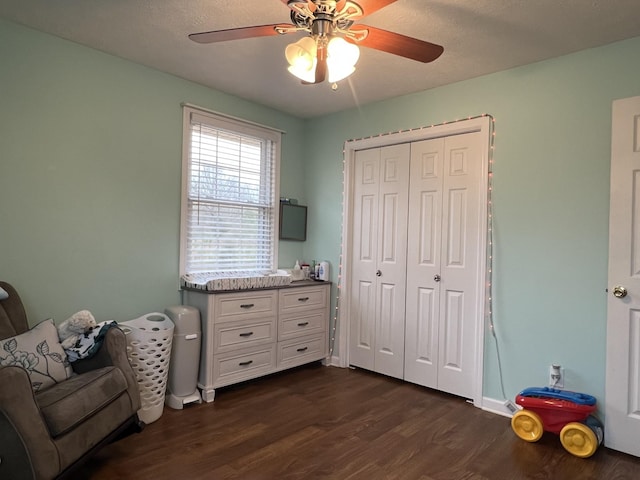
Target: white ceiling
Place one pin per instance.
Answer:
(479, 37)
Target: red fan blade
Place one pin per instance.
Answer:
(237, 33)
(371, 6)
(395, 43)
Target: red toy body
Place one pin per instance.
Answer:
(567, 414)
(554, 413)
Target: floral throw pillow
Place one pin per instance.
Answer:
(39, 352)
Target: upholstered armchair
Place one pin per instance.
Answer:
(49, 425)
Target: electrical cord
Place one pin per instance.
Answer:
(490, 259)
(493, 333)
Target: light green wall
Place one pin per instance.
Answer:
(90, 166)
(90, 188)
(551, 199)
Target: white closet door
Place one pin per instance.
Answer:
(443, 262)
(423, 262)
(392, 260)
(460, 290)
(364, 254)
(379, 259)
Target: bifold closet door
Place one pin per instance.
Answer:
(442, 263)
(378, 273)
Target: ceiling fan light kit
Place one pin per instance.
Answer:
(301, 56)
(341, 58)
(331, 51)
(303, 59)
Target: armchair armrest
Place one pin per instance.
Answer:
(20, 416)
(113, 352)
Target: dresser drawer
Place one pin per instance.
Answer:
(243, 364)
(241, 306)
(304, 323)
(303, 298)
(301, 350)
(233, 335)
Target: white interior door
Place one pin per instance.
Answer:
(392, 259)
(622, 402)
(443, 263)
(461, 292)
(423, 262)
(379, 259)
(365, 247)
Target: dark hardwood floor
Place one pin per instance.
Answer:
(316, 422)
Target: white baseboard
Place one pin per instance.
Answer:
(334, 361)
(495, 406)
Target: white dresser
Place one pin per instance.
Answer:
(250, 333)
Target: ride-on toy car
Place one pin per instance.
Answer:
(567, 414)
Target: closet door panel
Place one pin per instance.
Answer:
(365, 257)
(393, 197)
(367, 243)
(461, 257)
(362, 327)
(452, 334)
(392, 258)
(423, 262)
(421, 339)
(428, 229)
(389, 351)
(456, 227)
(389, 248)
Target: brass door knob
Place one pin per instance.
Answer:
(619, 291)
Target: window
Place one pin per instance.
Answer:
(229, 195)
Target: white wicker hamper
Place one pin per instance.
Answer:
(149, 350)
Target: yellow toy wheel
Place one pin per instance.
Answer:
(527, 425)
(579, 440)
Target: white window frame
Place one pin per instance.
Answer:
(239, 126)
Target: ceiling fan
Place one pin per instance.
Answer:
(329, 50)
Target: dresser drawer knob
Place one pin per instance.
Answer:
(247, 305)
(246, 334)
(303, 299)
(244, 364)
(303, 349)
(303, 324)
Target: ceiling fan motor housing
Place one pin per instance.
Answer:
(323, 18)
(322, 27)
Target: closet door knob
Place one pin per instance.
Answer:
(378, 273)
(436, 277)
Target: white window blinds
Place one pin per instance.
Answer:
(231, 198)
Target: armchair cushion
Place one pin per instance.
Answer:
(68, 404)
(39, 352)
